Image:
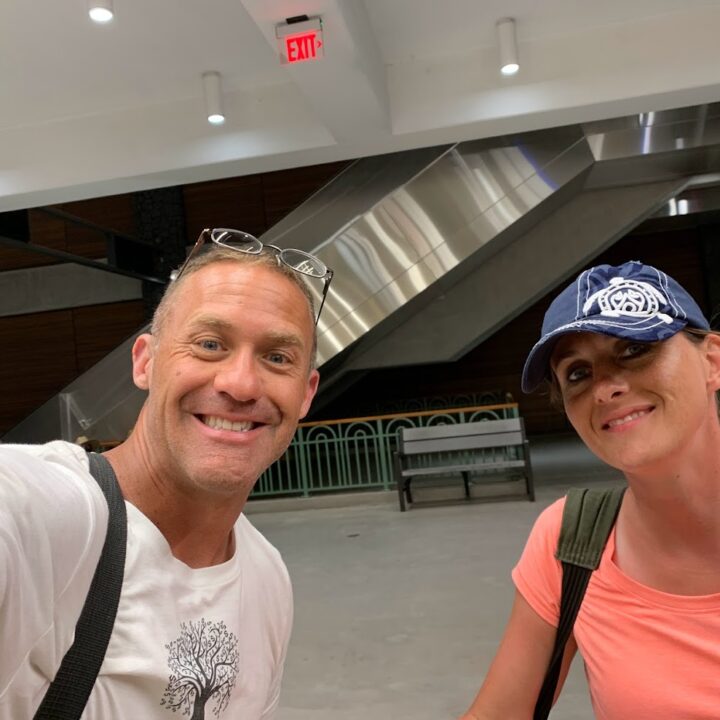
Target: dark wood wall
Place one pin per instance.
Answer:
(44, 352)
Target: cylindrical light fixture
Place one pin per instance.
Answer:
(101, 11)
(213, 98)
(508, 46)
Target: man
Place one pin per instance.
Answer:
(206, 608)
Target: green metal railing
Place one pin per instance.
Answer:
(356, 454)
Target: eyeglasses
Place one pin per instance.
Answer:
(243, 242)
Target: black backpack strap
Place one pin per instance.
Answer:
(69, 691)
(588, 518)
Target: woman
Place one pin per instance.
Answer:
(637, 369)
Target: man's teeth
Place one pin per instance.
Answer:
(627, 418)
(217, 423)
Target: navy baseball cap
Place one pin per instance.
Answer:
(631, 301)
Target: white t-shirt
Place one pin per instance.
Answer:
(183, 638)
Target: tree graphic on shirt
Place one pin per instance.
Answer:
(203, 663)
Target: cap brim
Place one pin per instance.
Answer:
(537, 365)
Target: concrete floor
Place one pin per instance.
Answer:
(398, 615)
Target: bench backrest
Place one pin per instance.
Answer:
(463, 436)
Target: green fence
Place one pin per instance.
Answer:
(356, 454)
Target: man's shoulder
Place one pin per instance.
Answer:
(254, 540)
(58, 452)
(52, 475)
(258, 549)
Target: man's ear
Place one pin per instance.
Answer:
(310, 390)
(142, 360)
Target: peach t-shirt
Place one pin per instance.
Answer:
(648, 655)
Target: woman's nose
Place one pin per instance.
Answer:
(608, 383)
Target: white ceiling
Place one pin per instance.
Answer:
(89, 110)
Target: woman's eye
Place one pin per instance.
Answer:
(576, 374)
(634, 349)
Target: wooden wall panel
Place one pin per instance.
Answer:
(233, 203)
(38, 359)
(101, 328)
(44, 230)
(114, 213)
(44, 352)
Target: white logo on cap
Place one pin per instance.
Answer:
(629, 298)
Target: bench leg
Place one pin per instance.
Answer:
(466, 481)
(530, 486)
(408, 493)
(529, 473)
(399, 480)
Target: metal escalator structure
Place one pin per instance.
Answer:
(435, 249)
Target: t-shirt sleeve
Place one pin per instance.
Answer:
(538, 574)
(271, 582)
(273, 700)
(52, 522)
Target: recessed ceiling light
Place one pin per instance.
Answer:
(100, 11)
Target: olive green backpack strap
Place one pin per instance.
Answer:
(588, 518)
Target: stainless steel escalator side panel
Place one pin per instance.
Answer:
(409, 240)
(349, 195)
(655, 133)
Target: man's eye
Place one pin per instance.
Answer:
(210, 345)
(278, 358)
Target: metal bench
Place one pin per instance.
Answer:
(498, 447)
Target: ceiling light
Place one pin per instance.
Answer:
(508, 46)
(213, 98)
(101, 11)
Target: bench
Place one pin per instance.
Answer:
(498, 447)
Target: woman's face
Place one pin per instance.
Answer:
(636, 404)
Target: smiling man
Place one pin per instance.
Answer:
(205, 610)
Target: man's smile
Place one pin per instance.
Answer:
(218, 423)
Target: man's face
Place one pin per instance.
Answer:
(228, 378)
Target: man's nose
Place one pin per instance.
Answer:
(239, 377)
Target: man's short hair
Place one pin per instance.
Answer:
(217, 254)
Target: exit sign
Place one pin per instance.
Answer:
(300, 41)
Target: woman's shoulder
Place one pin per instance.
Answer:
(550, 518)
(537, 575)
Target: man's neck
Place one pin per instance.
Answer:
(199, 530)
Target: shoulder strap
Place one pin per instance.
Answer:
(588, 518)
(69, 691)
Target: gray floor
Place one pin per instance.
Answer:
(398, 615)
